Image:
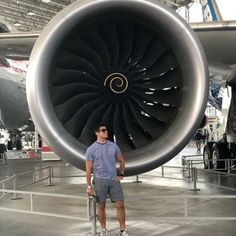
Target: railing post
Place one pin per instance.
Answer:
(92, 215)
(186, 207)
(194, 179)
(31, 202)
(3, 187)
(14, 188)
(34, 177)
(191, 164)
(52, 172)
(162, 172)
(137, 180)
(228, 166)
(218, 179)
(184, 163)
(50, 176)
(188, 169)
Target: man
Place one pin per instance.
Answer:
(101, 158)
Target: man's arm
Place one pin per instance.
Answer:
(121, 161)
(89, 166)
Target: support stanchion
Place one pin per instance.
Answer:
(194, 179)
(137, 180)
(188, 169)
(15, 197)
(3, 158)
(50, 176)
(3, 187)
(183, 163)
(228, 166)
(92, 214)
(31, 202)
(162, 172)
(34, 177)
(218, 179)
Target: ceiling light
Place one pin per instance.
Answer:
(46, 0)
(31, 13)
(17, 24)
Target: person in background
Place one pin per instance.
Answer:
(198, 140)
(101, 158)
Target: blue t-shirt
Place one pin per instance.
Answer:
(103, 156)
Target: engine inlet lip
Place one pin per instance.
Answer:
(113, 79)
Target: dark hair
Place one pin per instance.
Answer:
(97, 127)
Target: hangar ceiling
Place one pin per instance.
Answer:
(33, 15)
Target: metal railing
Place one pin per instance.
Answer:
(192, 175)
(186, 206)
(91, 206)
(229, 165)
(64, 176)
(2, 158)
(14, 183)
(32, 203)
(193, 172)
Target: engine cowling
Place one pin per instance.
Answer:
(134, 65)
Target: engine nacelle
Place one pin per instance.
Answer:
(134, 65)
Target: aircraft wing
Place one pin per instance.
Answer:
(218, 40)
(17, 46)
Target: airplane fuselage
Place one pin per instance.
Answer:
(14, 110)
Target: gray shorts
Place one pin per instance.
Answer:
(107, 187)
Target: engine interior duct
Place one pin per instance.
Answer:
(134, 65)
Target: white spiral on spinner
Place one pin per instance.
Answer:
(115, 81)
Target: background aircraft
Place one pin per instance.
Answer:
(14, 111)
(210, 11)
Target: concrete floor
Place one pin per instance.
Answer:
(142, 205)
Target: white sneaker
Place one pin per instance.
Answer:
(123, 233)
(103, 232)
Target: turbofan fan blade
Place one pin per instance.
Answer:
(126, 38)
(64, 77)
(70, 90)
(138, 135)
(79, 48)
(109, 34)
(162, 113)
(87, 136)
(94, 40)
(67, 109)
(149, 124)
(76, 124)
(121, 135)
(162, 96)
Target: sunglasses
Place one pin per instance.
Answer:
(102, 130)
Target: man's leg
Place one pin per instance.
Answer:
(120, 214)
(101, 191)
(102, 214)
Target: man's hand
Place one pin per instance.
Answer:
(89, 190)
(119, 178)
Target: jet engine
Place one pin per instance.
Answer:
(134, 65)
